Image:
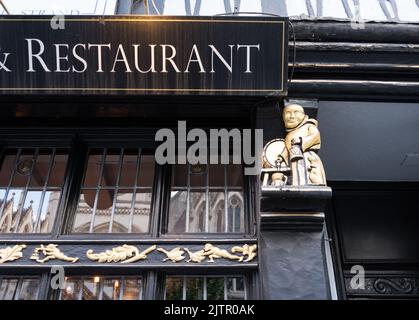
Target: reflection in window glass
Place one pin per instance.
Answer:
(174, 288)
(22, 288)
(235, 288)
(215, 288)
(90, 290)
(194, 288)
(31, 183)
(206, 198)
(116, 194)
(102, 288)
(205, 288)
(132, 289)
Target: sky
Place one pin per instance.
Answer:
(408, 10)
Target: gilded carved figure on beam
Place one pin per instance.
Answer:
(296, 155)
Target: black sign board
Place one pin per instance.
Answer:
(143, 55)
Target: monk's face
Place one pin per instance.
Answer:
(293, 115)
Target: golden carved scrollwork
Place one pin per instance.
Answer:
(11, 253)
(50, 252)
(122, 254)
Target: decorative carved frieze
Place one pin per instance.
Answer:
(129, 253)
(11, 253)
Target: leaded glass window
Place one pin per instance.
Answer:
(205, 288)
(102, 288)
(206, 198)
(19, 288)
(116, 192)
(31, 183)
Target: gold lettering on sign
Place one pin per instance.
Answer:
(11, 253)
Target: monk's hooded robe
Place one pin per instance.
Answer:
(308, 170)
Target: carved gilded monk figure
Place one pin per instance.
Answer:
(302, 142)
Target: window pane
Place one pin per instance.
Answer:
(197, 209)
(111, 168)
(194, 288)
(235, 211)
(91, 288)
(2, 194)
(142, 209)
(132, 289)
(216, 175)
(111, 289)
(30, 196)
(129, 168)
(8, 289)
(235, 175)
(235, 288)
(122, 211)
(174, 288)
(84, 211)
(10, 210)
(198, 175)
(196, 193)
(92, 173)
(7, 167)
(23, 168)
(111, 205)
(215, 288)
(26, 219)
(180, 175)
(29, 289)
(216, 211)
(103, 211)
(48, 211)
(177, 213)
(146, 174)
(72, 289)
(41, 167)
(56, 178)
